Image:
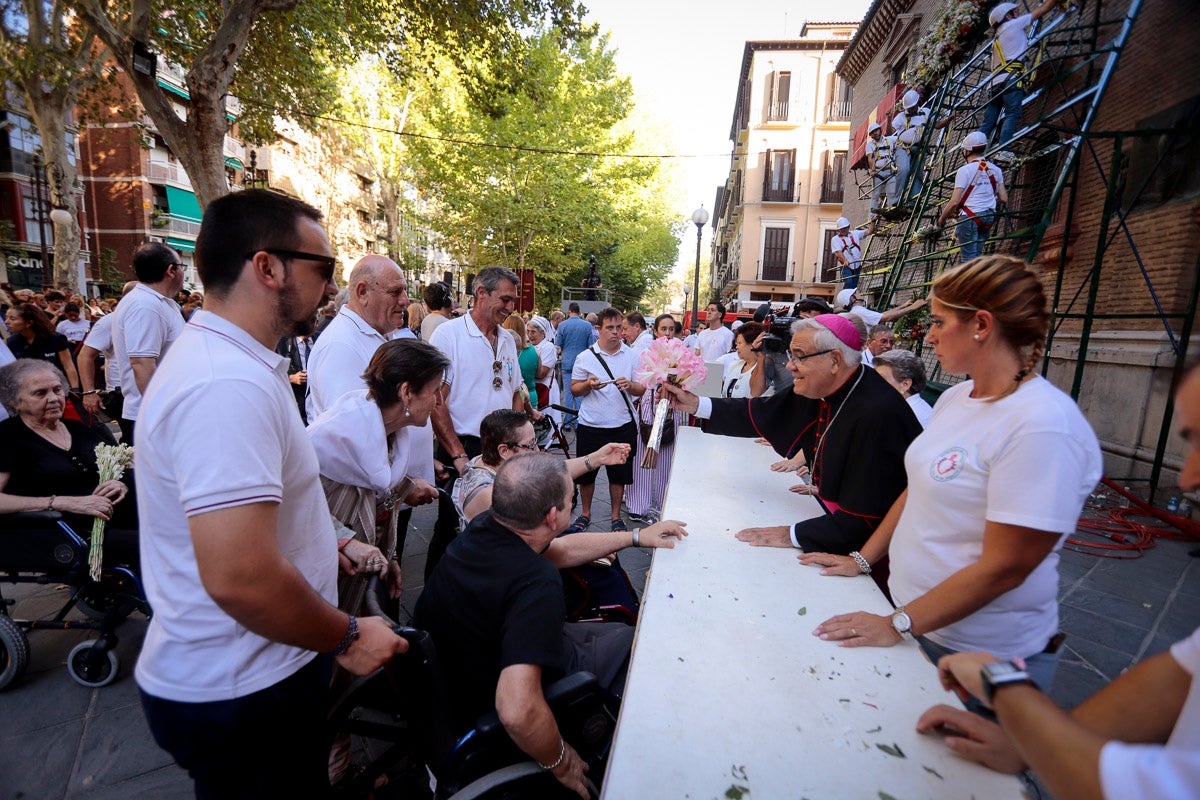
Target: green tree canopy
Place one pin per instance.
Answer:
(518, 164)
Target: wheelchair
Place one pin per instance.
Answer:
(40, 547)
(405, 707)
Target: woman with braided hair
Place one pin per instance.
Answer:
(995, 484)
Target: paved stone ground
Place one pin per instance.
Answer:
(61, 740)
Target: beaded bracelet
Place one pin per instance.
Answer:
(864, 567)
(562, 752)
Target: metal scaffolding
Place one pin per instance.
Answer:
(1072, 57)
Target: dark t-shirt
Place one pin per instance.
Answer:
(492, 602)
(45, 348)
(38, 468)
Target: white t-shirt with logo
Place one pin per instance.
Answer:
(714, 343)
(1029, 459)
(908, 126)
(74, 331)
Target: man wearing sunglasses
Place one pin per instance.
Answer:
(484, 374)
(852, 427)
(238, 552)
(145, 324)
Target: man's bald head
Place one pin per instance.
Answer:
(378, 293)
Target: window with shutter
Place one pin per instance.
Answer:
(779, 178)
(775, 253)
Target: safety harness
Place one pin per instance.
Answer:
(884, 162)
(1018, 75)
(984, 227)
(847, 243)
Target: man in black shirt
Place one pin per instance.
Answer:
(494, 607)
(852, 432)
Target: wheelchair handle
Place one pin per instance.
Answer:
(574, 412)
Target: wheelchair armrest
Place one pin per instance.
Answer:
(25, 520)
(559, 695)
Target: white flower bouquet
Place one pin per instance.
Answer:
(111, 461)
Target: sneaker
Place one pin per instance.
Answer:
(618, 525)
(1005, 158)
(580, 524)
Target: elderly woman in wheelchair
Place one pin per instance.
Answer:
(50, 493)
(48, 463)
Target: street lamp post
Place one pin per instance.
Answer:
(700, 218)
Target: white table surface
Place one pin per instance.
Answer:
(729, 688)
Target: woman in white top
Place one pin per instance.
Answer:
(995, 484)
(745, 375)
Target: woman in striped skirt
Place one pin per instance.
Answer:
(644, 498)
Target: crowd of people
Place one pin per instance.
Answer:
(334, 421)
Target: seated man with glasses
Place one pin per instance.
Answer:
(484, 374)
(851, 426)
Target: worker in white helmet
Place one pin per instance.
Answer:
(909, 126)
(881, 163)
(846, 246)
(1009, 43)
(978, 186)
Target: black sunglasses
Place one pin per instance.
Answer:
(327, 262)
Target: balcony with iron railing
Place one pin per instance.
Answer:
(833, 185)
(773, 271)
(777, 111)
(232, 148)
(779, 194)
(838, 111)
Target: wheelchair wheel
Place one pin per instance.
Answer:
(14, 651)
(97, 604)
(91, 669)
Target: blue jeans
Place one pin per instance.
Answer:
(970, 237)
(850, 277)
(1041, 667)
(1010, 102)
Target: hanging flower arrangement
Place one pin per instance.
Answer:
(959, 27)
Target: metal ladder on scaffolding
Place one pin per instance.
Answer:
(1072, 57)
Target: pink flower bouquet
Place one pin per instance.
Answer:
(666, 361)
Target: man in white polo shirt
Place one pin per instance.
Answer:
(603, 380)
(377, 295)
(145, 324)
(238, 551)
(484, 374)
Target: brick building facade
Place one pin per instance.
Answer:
(1147, 266)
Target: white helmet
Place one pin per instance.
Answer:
(974, 140)
(874, 126)
(844, 298)
(911, 98)
(997, 14)
(843, 223)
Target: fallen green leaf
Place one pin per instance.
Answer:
(735, 792)
(891, 749)
(876, 729)
(885, 796)
(803, 611)
(933, 772)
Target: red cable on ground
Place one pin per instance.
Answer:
(1122, 533)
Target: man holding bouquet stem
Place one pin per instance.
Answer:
(603, 380)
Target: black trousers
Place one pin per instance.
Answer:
(273, 743)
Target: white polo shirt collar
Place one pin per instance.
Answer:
(214, 325)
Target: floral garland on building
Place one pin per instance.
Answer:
(960, 26)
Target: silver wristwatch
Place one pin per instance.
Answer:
(902, 623)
